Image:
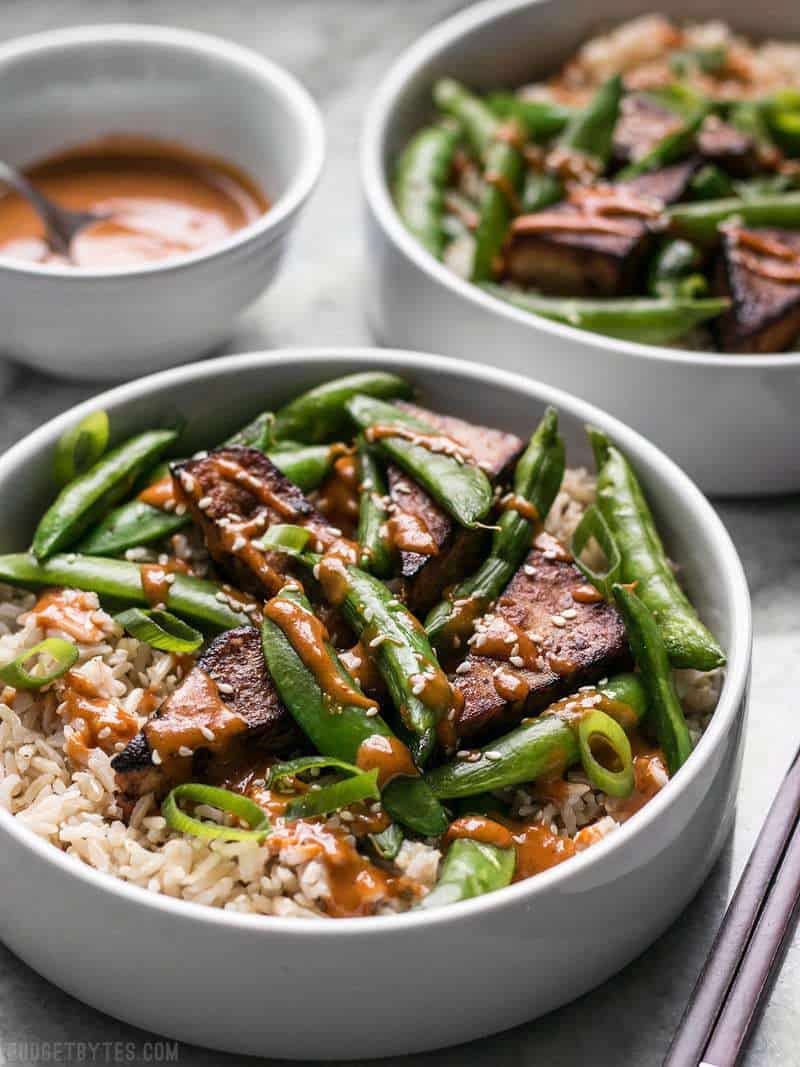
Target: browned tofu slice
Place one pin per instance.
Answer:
(551, 644)
(722, 144)
(578, 261)
(668, 185)
(235, 494)
(642, 123)
(451, 550)
(765, 313)
(227, 702)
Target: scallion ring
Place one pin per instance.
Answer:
(232, 803)
(80, 447)
(594, 525)
(330, 798)
(63, 652)
(160, 629)
(283, 537)
(597, 725)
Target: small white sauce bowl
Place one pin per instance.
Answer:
(70, 87)
(730, 421)
(346, 988)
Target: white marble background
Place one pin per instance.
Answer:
(340, 49)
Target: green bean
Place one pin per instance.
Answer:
(766, 185)
(504, 166)
(376, 549)
(462, 489)
(700, 222)
(644, 561)
(341, 730)
(543, 118)
(402, 654)
(546, 745)
(92, 494)
(320, 414)
(670, 149)
(422, 172)
(539, 191)
(710, 183)
(675, 273)
(470, 869)
(120, 582)
(537, 479)
(782, 116)
(648, 321)
(590, 131)
(650, 652)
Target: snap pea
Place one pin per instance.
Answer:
(675, 272)
(782, 116)
(711, 183)
(650, 653)
(388, 842)
(670, 149)
(120, 582)
(462, 489)
(402, 654)
(503, 165)
(643, 560)
(546, 745)
(376, 550)
(320, 414)
(680, 98)
(768, 185)
(470, 869)
(749, 117)
(700, 222)
(255, 434)
(590, 131)
(543, 118)
(304, 465)
(341, 730)
(537, 479)
(654, 321)
(88, 497)
(422, 172)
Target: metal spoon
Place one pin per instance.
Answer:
(61, 225)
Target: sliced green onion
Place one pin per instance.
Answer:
(616, 783)
(232, 803)
(362, 786)
(388, 842)
(63, 652)
(294, 767)
(80, 447)
(594, 525)
(160, 629)
(284, 538)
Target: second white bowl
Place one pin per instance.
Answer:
(729, 421)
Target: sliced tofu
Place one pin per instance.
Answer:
(669, 185)
(557, 643)
(225, 703)
(457, 550)
(235, 494)
(722, 144)
(764, 314)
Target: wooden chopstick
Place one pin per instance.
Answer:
(730, 945)
(740, 1011)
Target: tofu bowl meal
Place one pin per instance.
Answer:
(321, 667)
(636, 183)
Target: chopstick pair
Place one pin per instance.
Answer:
(725, 1001)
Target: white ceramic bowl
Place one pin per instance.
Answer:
(729, 421)
(68, 87)
(302, 988)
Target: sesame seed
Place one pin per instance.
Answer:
(493, 754)
(202, 454)
(570, 613)
(315, 571)
(370, 712)
(238, 543)
(335, 531)
(168, 505)
(208, 733)
(463, 753)
(156, 758)
(509, 638)
(463, 668)
(184, 750)
(221, 597)
(517, 661)
(169, 579)
(105, 732)
(558, 620)
(368, 614)
(180, 509)
(225, 688)
(603, 681)
(529, 570)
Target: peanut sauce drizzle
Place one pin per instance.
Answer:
(578, 223)
(70, 611)
(359, 663)
(614, 200)
(410, 533)
(650, 776)
(523, 507)
(510, 686)
(434, 442)
(235, 472)
(774, 259)
(194, 709)
(308, 637)
(389, 755)
(548, 544)
(572, 165)
(339, 495)
(595, 204)
(537, 848)
(160, 494)
(91, 720)
(587, 594)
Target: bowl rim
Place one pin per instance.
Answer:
(374, 179)
(730, 705)
(295, 98)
